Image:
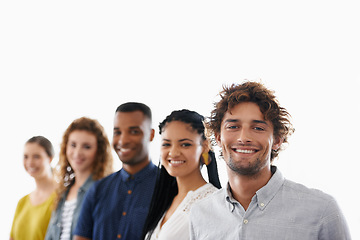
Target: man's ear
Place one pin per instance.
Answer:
(277, 143)
(152, 134)
(218, 139)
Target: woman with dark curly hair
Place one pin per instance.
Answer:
(85, 156)
(184, 149)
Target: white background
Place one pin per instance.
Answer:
(66, 59)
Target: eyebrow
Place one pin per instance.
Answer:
(231, 120)
(133, 127)
(181, 140)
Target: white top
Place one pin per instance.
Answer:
(66, 219)
(177, 226)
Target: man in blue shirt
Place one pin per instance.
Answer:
(116, 206)
(258, 203)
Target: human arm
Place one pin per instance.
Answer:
(333, 224)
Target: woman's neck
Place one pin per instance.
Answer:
(189, 183)
(80, 178)
(45, 184)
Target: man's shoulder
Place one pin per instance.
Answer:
(313, 199)
(304, 192)
(106, 181)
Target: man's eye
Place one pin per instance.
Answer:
(259, 129)
(165, 145)
(232, 127)
(116, 133)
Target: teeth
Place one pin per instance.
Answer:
(176, 162)
(125, 149)
(244, 151)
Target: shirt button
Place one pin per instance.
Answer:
(262, 204)
(246, 221)
(119, 236)
(129, 192)
(124, 213)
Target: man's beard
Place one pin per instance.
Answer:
(250, 170)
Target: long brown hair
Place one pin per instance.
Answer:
(103, 164)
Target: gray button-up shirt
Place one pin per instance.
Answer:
(280, 210)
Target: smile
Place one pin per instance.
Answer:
(32, 169)
(125, 150)
(247, 151)
(176, 161)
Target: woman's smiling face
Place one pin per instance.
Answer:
(181, 149)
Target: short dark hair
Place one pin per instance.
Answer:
(135, 106)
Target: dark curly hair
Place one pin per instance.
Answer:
(257, 93)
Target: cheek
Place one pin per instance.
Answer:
(163, 156)
(92, 156)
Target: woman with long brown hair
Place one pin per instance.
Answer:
(85, 156)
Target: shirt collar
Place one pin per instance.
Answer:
(87, 184)
(139, 176)
(267, 193)
(264, 195)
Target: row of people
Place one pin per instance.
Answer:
(174, 201)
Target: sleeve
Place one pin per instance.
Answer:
(334, 226)
(85, 224)
(50, 226)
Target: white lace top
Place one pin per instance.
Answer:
(177, 226)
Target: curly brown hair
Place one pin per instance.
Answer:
(103, 164)
(257, 93)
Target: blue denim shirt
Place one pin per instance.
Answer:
(54, 228)
(282, 209)
(116, 207)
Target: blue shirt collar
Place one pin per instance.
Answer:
(139, 176)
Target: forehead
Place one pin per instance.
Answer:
(82, 135)
(178, 129)
(244, 112)
(130, 119)
(33, 146)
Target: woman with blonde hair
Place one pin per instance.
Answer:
(33, 211)
(85, 156)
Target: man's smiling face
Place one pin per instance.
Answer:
(246, 139)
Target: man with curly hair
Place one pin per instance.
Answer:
(259, 203)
